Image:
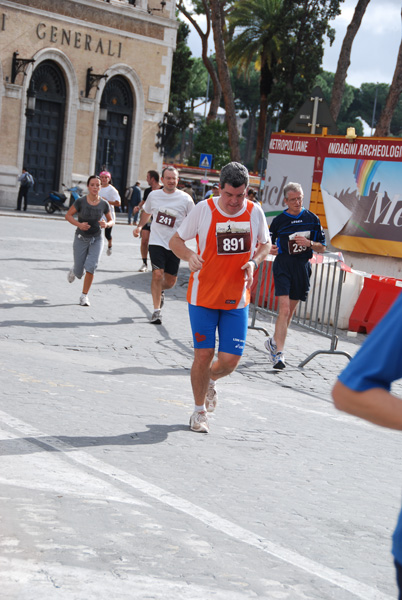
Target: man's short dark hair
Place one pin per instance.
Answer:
(235, 174)
(154, 175)
(170, 168)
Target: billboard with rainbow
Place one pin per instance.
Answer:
(360, 182)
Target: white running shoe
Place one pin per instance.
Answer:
(70, 276)
(199, 422)
(211, 399)
(279, 362)
(84, 300)
(109, 251)
(272, 349)
(156, 318)
(143, 268)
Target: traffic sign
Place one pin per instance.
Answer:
(205, 161)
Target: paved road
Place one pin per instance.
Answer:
(106, 493)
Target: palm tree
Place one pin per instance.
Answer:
(257, 24)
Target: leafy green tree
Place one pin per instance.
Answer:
(197, 84)
(215, 14)
(189, 10)
(246, 91)
(255, 24)
(370, 100)
(218, 27)
(349, 112)
(303, 27)
(179, 116)
(212, 138)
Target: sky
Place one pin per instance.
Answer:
(375, 47)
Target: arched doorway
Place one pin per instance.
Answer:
(113, 145)
(44, 130)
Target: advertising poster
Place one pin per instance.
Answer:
(291, 158)
(361, 189)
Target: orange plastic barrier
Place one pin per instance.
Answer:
(374, 301)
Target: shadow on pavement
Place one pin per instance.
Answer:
(155, 435)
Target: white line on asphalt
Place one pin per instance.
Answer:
(357, 588)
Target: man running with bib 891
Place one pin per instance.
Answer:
(227, 229)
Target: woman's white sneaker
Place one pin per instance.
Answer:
(84, 300)
(70, 276)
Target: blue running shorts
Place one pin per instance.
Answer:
(231, 325)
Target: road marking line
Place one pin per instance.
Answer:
(360, 590)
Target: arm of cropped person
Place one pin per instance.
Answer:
(376, 405)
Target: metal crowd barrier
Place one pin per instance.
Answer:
(319, 313)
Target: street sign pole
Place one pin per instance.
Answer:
(206, 163)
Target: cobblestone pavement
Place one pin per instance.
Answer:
(106, 493)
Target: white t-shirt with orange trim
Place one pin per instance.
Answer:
(226, 243)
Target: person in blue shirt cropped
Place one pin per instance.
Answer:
(363, 390)
(295, 233)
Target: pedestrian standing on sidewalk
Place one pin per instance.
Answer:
(133, 201)
(295, 233)
(26, 182)
(93, 214)
(112, 196)
(363, 390)
(227, 228)
(153, 182)
(168, 207)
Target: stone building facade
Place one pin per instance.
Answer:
(84, 85)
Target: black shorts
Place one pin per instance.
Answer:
(164, 259)
(147, 227)
(292, 277)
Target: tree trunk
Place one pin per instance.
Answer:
(216, 86)
(224, 78)
(384, 122)
(250, 137)
(344, 58)
(262, 124)
(266, 81)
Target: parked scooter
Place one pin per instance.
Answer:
(75, 192)
(56, 200)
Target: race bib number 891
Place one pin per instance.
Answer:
(233, 243)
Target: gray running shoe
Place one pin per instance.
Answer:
(109, 251)
(211, 399)
(272, 349)
(143, 268)
(156, 318)
(70, 276)
(279, 362)
(199, 422)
